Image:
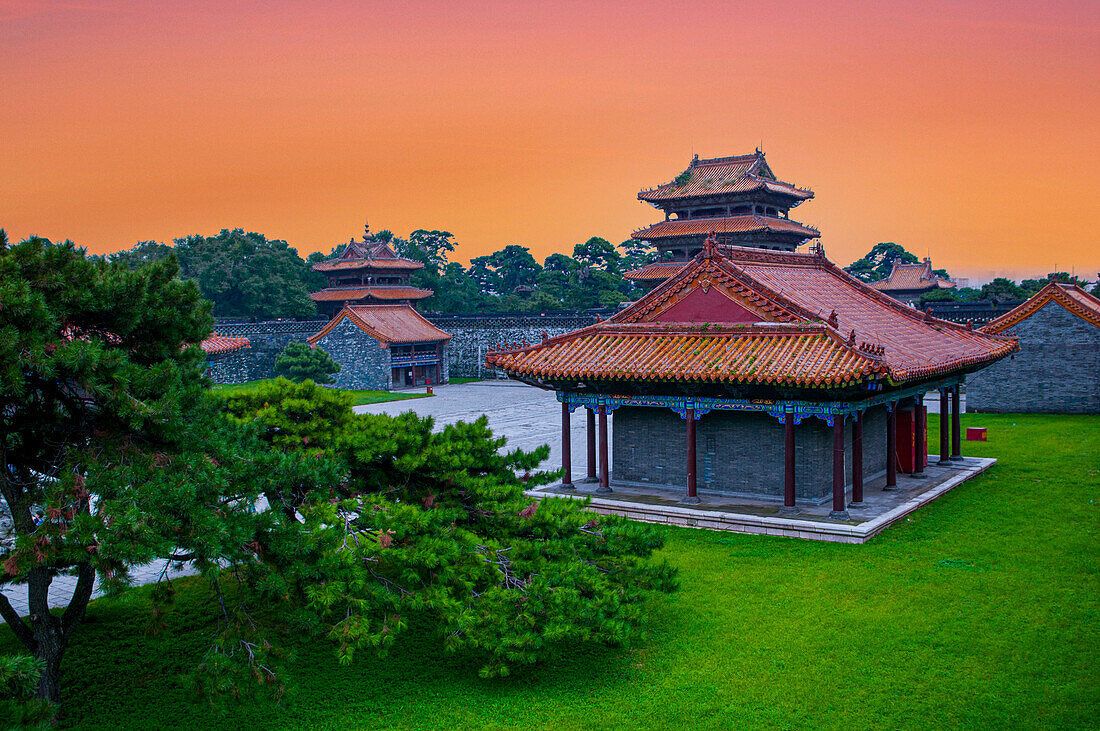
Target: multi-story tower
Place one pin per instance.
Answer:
(738, 198)
(367, 272)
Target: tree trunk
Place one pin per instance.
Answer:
(50, 648)
(49, 633)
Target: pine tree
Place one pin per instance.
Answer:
(299, 362)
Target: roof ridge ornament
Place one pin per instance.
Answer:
(833, 320)
(710, 246)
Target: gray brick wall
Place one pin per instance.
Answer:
(738, 452)
(266, 340)
(1056, 371)
(465, 356)
(475, 335)
(364, 363)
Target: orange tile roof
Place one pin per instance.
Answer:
(391, 324)
(724, 175)
(367, 255)
(791, 290)
(215, 344)
(348, 294)
(912, 276)
(723, 225)
(658, 270)
(1069, 296)
(331, 265)
(795, 355)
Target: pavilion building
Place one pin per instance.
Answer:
(769, 374)
(376, 335)
(738, 198)
(1058, 367)
(907, 282)
(365, 273)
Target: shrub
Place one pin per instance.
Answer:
(299, 362)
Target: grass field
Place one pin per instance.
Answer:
(359, 397)
(979, 611)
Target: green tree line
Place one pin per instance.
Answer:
(245, 274)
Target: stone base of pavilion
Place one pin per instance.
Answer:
(717, 511)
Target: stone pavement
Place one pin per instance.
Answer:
(526, 416)
(61, 589)
(717, 511)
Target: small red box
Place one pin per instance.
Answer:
(975, 433)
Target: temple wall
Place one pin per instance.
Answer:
(474, 335)
(232, 367)
(738, 452)
(364, 363)
(1057, 370)
(265, 341)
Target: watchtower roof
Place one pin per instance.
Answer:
(724, 176)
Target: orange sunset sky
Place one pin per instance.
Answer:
(966, 131)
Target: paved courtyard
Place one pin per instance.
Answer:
(526, 416)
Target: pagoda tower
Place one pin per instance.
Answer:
(367, 272)
(738, 198)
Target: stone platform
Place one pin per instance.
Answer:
(661, 504)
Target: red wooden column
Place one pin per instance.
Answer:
(605, 482)
(892, 449)
(590, 423)
(692, 495)
(920, 439)
(956, 426)
(945, 428)
(788, 465)
(839, 509)
(857, 462)
(566, 449)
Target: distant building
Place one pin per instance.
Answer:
(376, 336)
(907, 282)
(1058, 367)
(367, 272)
(739, 198)
(380, 347)
(226, 361)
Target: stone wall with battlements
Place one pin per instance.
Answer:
(474, 335)
(266, 340)
(1057, 370)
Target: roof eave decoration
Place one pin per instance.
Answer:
(1071, 297)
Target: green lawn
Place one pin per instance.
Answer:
(979, 611)
(358, 396)
(461, 379)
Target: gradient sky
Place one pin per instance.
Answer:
(966, 131)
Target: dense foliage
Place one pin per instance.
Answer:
(437, 523)
(336, 525)
(113, 456)
(19, 706)
(879, 261)
(299, 362)
(242, 274)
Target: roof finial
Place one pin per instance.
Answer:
(852, 337)
(833, 320)
(710, 246)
